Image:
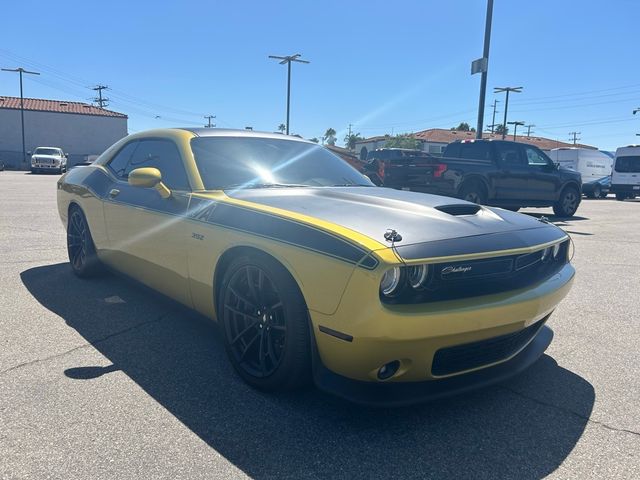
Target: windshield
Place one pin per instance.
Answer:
(47, 151)
(629, 164)
(254, 162)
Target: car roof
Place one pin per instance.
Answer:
(230, 132)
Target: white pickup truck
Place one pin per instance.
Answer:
(48, 159)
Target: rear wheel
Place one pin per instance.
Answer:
(82, 252)
(265, 322)
(473, 192)
(568, 202)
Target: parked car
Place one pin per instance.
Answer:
(593, 165)
(398, 167)
(491, 172)
(625, 178)
(379, 295)
(48, 159)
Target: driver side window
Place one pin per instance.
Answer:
(534, 157)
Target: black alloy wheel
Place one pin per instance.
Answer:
(568, 202)
(265, 323)
(80, 247)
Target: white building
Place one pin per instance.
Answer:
(78, 128)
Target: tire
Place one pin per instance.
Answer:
(597, 192)
(80, 247)
(265, 324)
(620, 197)
(568, 202)
(473, 192)
(603, 194)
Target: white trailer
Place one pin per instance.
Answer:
(594, 166)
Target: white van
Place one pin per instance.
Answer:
(625, 178)
(593, 165)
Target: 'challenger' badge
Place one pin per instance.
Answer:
(452, 269)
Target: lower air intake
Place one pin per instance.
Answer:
(459, 358)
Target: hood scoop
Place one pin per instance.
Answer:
(459, 209)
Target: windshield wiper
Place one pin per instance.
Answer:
(263, 185)
(351, 185)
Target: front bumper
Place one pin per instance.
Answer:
(373, 334)
(396, 394)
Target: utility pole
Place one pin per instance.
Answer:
(506, 103)
(575, 136)
(636, 110)
(287, 60)
(529, 129)
(493, 118)
(102, 102)
(21, 70)
(482, 66)
(209, 118)
(515, 128)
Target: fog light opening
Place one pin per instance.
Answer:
(388, 370)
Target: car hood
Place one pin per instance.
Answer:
(418, 218)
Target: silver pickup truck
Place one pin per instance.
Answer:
(48, 159)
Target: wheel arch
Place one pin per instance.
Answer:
(238, 250)
(475, 179)
(568, 184)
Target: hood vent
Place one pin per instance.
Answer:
(459, 209)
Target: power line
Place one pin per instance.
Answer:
(102, 102)
(575, 136)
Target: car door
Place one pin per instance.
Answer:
(543, 181)
(512, 180)
(147, 235)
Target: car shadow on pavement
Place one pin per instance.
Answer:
(523, 428)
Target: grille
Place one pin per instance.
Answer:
(485, 352)
(473, 278)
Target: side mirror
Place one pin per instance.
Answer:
(148, 177)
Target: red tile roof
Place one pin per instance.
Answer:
(442, 135)
(59, 106)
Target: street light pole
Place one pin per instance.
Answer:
(515, 128)
(21, 70)
(506, 104)
(288, 59)
(484, 67)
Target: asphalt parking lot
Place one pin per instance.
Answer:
(103, 379)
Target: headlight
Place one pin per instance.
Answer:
(546, 254)
(391, 281)
(417, 275)
(556, 250)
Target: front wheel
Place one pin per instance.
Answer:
(597, 192)
(568, 202)
(265, 323)
(620, 197)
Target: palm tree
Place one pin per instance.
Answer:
(350, 140)
(282, 127)
(330, 136)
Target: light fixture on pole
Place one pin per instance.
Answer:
(21, 70)
(515, 128)
(287, 60)
(506, 104)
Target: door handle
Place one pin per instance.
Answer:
(114, 192)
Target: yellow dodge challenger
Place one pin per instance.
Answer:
(381, 296)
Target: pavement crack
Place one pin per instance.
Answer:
(84, 345)
(571, 412)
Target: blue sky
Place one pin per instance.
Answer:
(382, 66)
